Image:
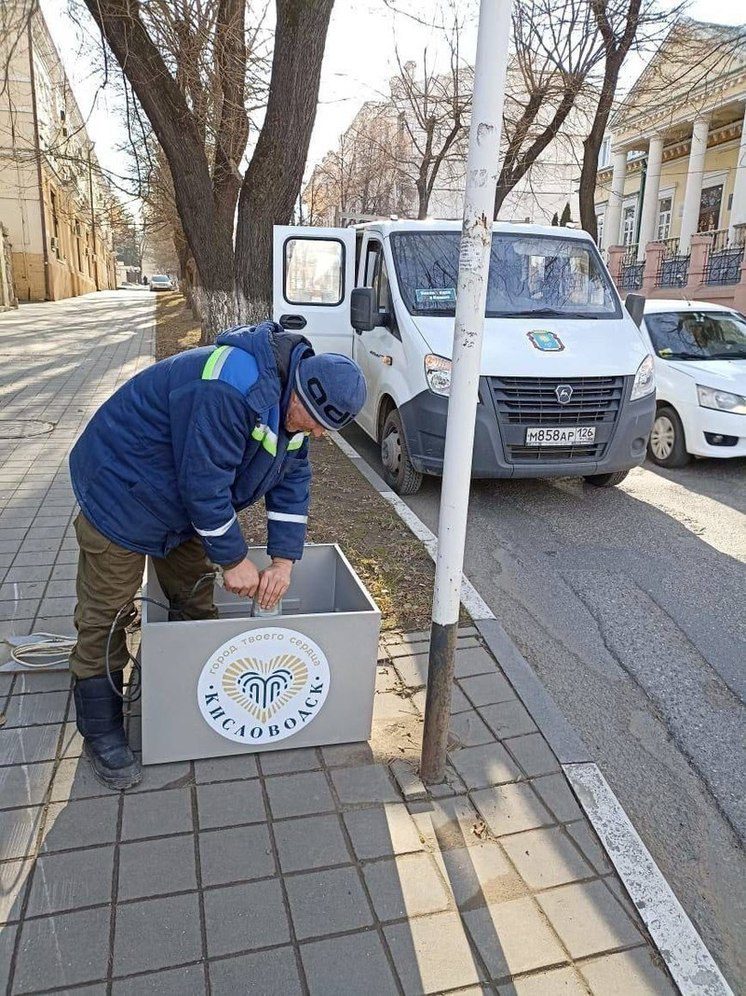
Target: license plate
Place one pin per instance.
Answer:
(575, 435)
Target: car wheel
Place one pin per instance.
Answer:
(398, 470)
(667, 446)
(607, 480)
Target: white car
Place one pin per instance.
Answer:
(700, 372)
(161, 282)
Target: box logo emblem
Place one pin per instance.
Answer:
(263, 686)
(545, 342)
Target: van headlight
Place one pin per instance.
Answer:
(644, 379)
(722, 401)
(438, 374)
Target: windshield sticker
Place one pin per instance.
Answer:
(435, 296)
(545, 342)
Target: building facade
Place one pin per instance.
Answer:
(53, 198)
(671, 191)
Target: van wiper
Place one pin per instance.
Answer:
(553, 313)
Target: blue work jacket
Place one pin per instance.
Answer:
(192, 440)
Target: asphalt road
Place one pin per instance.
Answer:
(629, 605)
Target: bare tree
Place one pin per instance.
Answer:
(205, 164)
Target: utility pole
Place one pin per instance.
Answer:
(474, 260)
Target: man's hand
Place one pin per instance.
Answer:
(243, 579)
(274, 581)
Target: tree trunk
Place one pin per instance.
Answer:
(592, 148)
(273, 178)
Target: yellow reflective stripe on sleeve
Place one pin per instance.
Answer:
(215, 361)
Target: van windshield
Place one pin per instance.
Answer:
(540, 275)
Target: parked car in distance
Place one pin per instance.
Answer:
(700, 372)
(161, 282)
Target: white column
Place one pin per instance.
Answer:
(613, 214)
(738, 205)
(694, 176)
(649, 212)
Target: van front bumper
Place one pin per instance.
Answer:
(497, 444)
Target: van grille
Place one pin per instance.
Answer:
(532, 401)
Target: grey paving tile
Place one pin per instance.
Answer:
(546, 858)
(511, 809)
(63, 950)
(156, 867)
(468, 729)
(177, 774)
(58, 606)
(224, 804)
(407, 885)
(60, 588)
(7, 944)
(355, 965)
(479, 874)
(267, 973)
(153, 814)
(299, 795)
(345, 906)
(459, 702)
(80, 823)
(13, 591)
(555, 982)
(30, 682)
(487, 689)
(187, 981)
(287, 762)
(32, 710)
(507, 719)
(588, 918)
(223, 769)
(236, 853)
(155, 933)
(589, 844)
(412, 669)
(245, 917)
(24, 608)
(432, 954)
(475, 660)
(446, 823)
(638, 971)
(312, 842)
(24, 784)
(485, 765)
(364, 783)
(35, 558)
(75, 780)
(533, 754)
(380, 831)
(558, 797)
(70, 880)
(513, 937)
(14, 877)
(18, 830)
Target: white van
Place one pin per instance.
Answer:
(567, 386)
(700, 370)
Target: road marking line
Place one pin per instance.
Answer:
(683, 950)
(689, 962)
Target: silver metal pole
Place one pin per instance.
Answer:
(476, 239)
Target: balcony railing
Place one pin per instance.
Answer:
(724, 256)
(630, 277)
(673, 268)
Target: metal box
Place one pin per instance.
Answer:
(239, 684)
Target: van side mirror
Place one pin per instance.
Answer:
(363, 309)
(635, 305)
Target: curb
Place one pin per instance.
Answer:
(685, 954)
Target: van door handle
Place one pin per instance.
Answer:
(293, 321)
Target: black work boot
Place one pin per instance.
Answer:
(100, 721)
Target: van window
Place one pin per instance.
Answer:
(314, 271)
(541, 275)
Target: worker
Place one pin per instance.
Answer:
(161, 471)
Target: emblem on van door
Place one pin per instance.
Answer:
(545, 342)
(564, 393)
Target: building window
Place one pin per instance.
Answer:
(709, 208)
(665, 210)
(604, 156)
(629, 217)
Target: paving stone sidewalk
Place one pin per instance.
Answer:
(323, 871)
